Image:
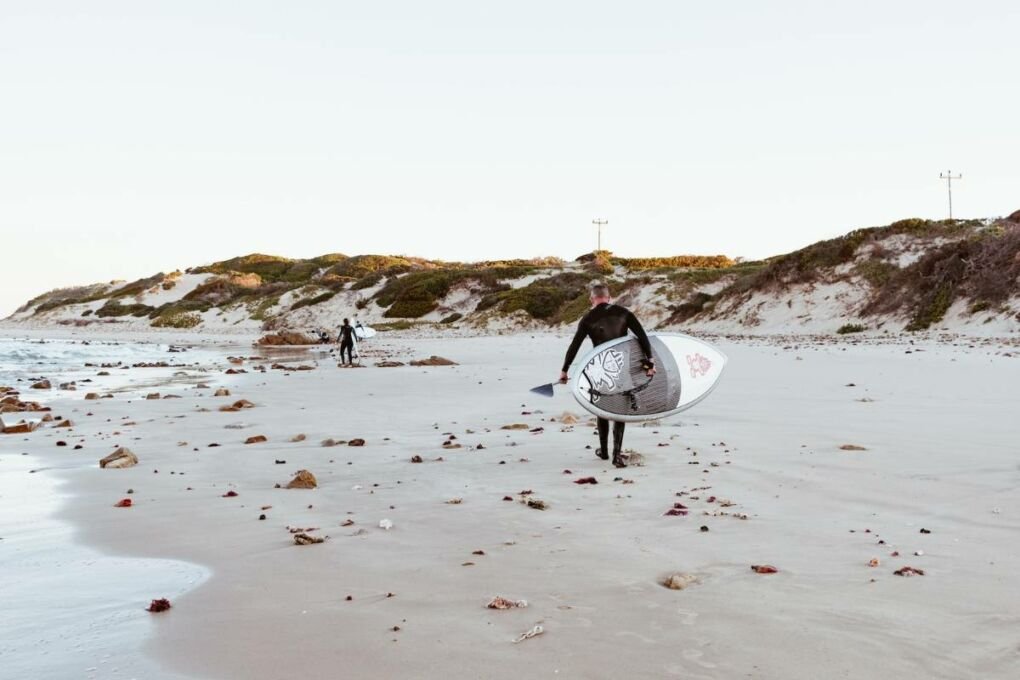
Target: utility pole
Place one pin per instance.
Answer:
(949, 177)
(600, 223)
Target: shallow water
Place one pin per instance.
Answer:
(67, 610)
(70, 611)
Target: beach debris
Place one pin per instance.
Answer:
(297, 438)
(278, 461)
(385, 524)
(42, 385)
(925, 531)
(416, 459)
(586, 480)
(873, 562)
(21, 427)
(91, 396)
(327, 443)
(515, 426)
(230, 494)
(306, 539)
(347, 522)
(237, 406)
(256, 439)
(152, 395)
(678, 510)
(528, 634)
(222, 392)
(262, 516)
(356, 442)
(679, 580)
(535, 503)
(704, 529)
(455, 501)
(919, 553)
(61, 443)
(909, 571)
(763, 569)
(504, 603)
(157, 606)
(568, 418)
(123, 503)
(852, 447)
(433, 361)
(389, 364)
(303, 479)
(121, 458)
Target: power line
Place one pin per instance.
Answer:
(600, 223)
(949, 177)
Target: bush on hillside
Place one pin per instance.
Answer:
(177, 320)
(848, 328)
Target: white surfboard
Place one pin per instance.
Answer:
(364, 332)
(609, 381)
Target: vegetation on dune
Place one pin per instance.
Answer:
(418, 293)
(452, 318)
(984, 267)
(545, 298)
(177, 320)
(353, 268)
(113, 308)
(686, 261)
(689, 309)
(314, 300)
(848, 328)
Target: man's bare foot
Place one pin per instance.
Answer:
(619, 461)
(601, 454)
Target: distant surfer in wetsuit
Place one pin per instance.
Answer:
(346, 339)
(604, 322)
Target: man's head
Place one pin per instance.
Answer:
(598, 292)
(347, 322)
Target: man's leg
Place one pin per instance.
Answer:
(603, 450)
(618, 459)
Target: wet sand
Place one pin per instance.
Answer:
(937, 428)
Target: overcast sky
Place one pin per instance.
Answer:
(137, 136)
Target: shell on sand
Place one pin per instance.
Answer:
(121, 458)
(679, 580)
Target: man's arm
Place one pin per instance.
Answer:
(635, 327)
(575, 345)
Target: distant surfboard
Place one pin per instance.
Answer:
(364, 332)
(611, 384)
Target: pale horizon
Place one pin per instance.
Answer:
(143, 139)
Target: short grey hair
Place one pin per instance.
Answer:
(598, 289)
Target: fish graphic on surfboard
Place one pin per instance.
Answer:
(610, 382)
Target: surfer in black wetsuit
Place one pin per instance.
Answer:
(604, 322)
(346, 339)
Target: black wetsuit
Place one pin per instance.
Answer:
(347, 343)
(603, 323)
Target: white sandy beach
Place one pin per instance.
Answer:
(937, 422)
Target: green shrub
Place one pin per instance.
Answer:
(452, 318)
(692, 261)
(87, 312)
(314, 300)
(542, 299)
(114, 309)
(876, 272)
(410, 309)
(692, 307)
(177, 320)
(848, 328)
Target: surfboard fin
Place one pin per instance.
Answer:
(545, 390)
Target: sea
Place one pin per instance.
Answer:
(68, 610)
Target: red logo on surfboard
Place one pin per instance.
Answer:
(698, 364)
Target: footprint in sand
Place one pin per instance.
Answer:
(629, 633)
(694, 655)
(688, 617)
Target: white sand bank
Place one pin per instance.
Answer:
(939, 427)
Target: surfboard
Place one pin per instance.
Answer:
(609, 380)
(364, 332)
